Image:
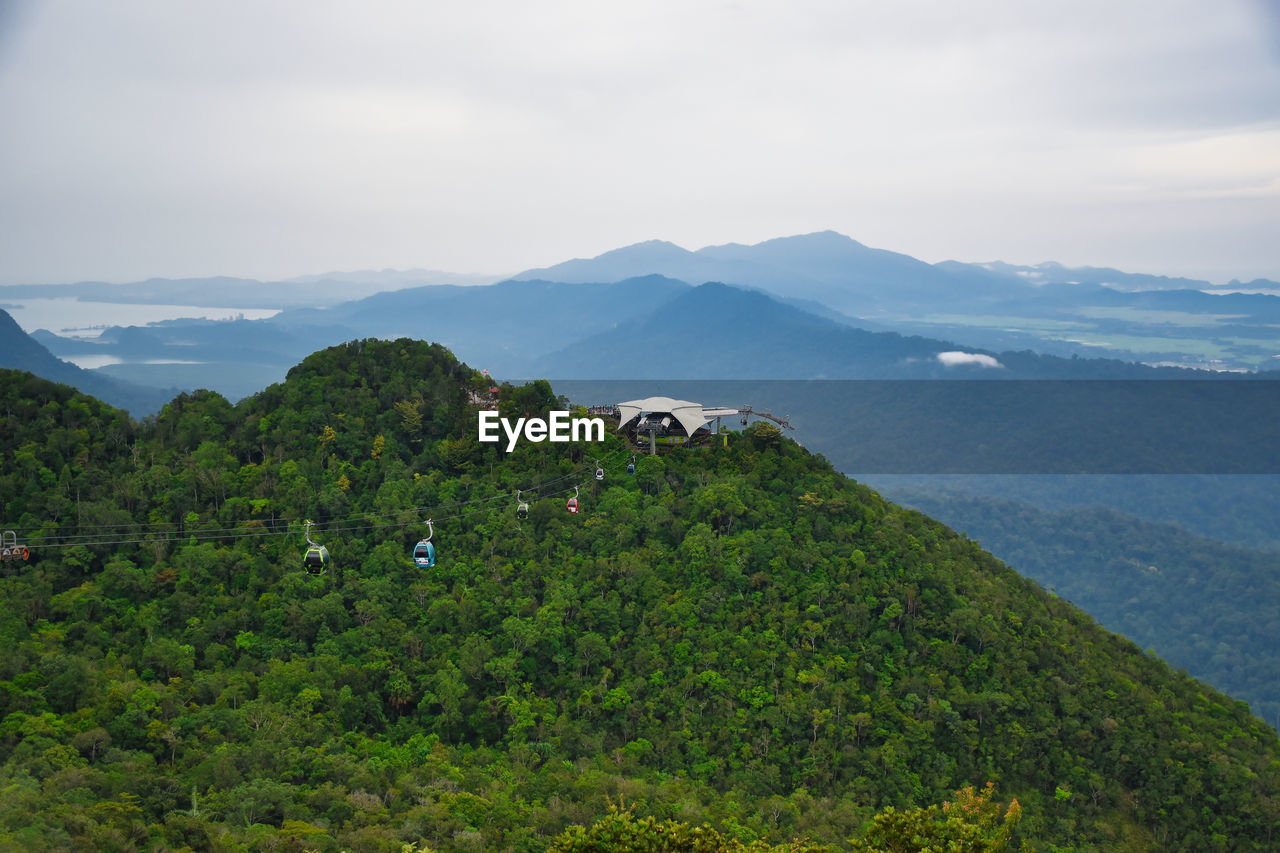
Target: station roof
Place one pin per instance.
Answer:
(690, 415)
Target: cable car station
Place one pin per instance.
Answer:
(656, 421)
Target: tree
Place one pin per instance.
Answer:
(972, 823)
(620, 831)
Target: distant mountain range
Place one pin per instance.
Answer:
(648, 327)
(853, 278)
(229, 292)
(835, 270)
(808, 306)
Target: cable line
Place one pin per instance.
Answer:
(258, 528)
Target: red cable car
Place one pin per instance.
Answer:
(572, 503)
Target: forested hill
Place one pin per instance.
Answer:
(737, 636)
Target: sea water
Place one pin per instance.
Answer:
(70, 317)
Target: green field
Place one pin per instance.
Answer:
(1164, 318)
(1198, 347)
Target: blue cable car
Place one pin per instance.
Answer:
(631, 466)
(424, 553)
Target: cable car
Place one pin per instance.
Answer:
(424, 553)
(10, 549)
(522, 507)
(317, 556)
(631, 466)
(599, 471)
(572, 503)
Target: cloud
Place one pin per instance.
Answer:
(146, 138)
(955, 359)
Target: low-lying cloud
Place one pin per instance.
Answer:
(954, 359)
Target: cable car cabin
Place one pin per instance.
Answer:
(424, 554)
(10, 549)
(631, 467)
(316, 558)
(572, 505)
(522, 511)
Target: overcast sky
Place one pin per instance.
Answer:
(269, 140)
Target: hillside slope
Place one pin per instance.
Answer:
(739, 636)
(1200, 604)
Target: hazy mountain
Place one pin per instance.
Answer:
(721, 332)
(503, 327)
(652, 256)
(202, 340)
(236, 358)
(213, 292)
(828, 267)
(1048, 308)
(854, 277)
(20, 351)
(718, 331)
